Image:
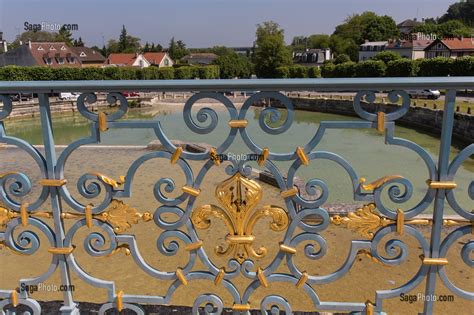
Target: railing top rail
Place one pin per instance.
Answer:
(336, 84)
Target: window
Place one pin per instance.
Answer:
(52, 47)
(83, 54)
(63, 48)
(166, 62)
(40, 48)
(60, 60)
(71, 60)
(48, 60)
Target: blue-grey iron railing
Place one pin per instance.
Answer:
(442, 175)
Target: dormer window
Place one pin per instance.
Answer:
(40, 48)
(60, 60)
(82, 54)
(71, 60)
(63, 48)
(52, 48)
(48, 60)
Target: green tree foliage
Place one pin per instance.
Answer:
(233, 65)
(122, 42)
(345, 70)
(462, 11)
(78, 42)
(125, 44)
(402, 67)
(270, 51)
(438, 66)
(360, 27)
(341, 59)
(370, 69)
(314, 72)
(38, 36)
(65, 35)
(177, 49)
(386, 56)
(311, 42)
(453, 28)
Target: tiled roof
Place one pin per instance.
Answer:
(53, 50)
(417, 44)
(408, 23)
(459, 43)
(86, 54)
(121, 59)
(154, 58)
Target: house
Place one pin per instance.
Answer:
(88, 56)
(51, 54)
(145, 60)
(411, 49)
(127, 60)
(3, 44)
(369, 49)
(407, 26)
(159, 59)
(199, 59)
(452, 48)
(312, 56)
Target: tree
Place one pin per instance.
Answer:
(78, 42)
(38, 36)
(233, 65)
(462, 11)
(177, 49)
(222, 50)
(341, 59)
(453, 28)
(65, 35)
(320, 41)
(123, 40)
(270, 51)
(147, 47)
(386, 56)
(360, 27)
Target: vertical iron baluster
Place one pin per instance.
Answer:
(443, 164)
(69, 306)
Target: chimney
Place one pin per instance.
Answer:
(29, 44)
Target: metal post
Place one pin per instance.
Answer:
(443, 164)
(69, 306)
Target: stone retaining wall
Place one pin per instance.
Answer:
(421, 118)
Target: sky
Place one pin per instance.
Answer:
(201, 23)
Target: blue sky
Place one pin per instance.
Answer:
(201, 23)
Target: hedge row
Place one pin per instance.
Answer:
(439, 66)
(298, 72)
(14, 73)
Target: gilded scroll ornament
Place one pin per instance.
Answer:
(239, 196)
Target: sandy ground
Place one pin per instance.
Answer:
(359, 285)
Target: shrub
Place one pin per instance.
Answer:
(209, 72)
(183, 73)
(370, 68)
(66, 74)
(345, 70)
(327, 70)
(402, 68)
(341, 58)
(314, 72)
(438, 66)
(386, 56)
(298, 72)
(166, 73)
(92, 74)
(463, 66)
(282, 72)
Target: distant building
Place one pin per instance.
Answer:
(3, 44)
(450, 48)
(411, 49)
(312, 56)
(369, 49)
(158, 59)
(407, 26)
(199, 59)
(88, 56)
(51, 54)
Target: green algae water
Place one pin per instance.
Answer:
(364, 149)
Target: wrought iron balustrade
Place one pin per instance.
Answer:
(238, 196)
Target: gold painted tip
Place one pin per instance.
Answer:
(238, 123)
(88, 213)
(220, 276)
(120, 301)
(302, 280)
(303, 157)
(261, 277)
(52, 182)
(289, 192)
(287, 249)
(103, 122)
(435, 261)
(24, 213)
(214, 157)
(181, 276)
(61, 250)
(191, 191)
(240, 239)
(194, 246)
(441, 185)
(369, 308)
(263, 157)
(400, 221)
(14, 298)
(176, 155)
(241, 307)
(380, 122)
